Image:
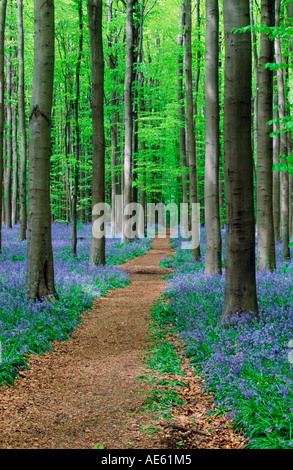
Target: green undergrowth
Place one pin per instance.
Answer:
(164, 366)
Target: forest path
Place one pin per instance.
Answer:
(76, 395)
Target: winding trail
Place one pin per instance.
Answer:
(75, 396)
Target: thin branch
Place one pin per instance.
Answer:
(151, 8)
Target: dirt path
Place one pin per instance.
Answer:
(76, 395)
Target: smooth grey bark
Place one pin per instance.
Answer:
(22, 127)
(142, 222)
(76, 145)
(138, 12)
(40, 268)
(68, 85)
(190, 138)
(290, 191)
(289, 136)
(3, 6)
(283, 143)
(213, 263)
(115, 119)
(94, 11)
(82, 211)
(128, 117)
(256, 75)
(14, 213)
(8, 162)
(276, 180)
(240, 286)
(181, 109)
(142, 195)
(198, 61)
(143, 198)
(195, 105)
(67, 147)
(266, 258)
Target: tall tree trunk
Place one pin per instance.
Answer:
(290, 19)
(283, 144)
(22, 127)
(138, 11)
(14, 214)
(8, 167)
(290, 193)
(94, 10)
(199, 156)
(222, 204)
(198, 61)
(276, 180)
(128, 117)
(76, 147)
(143, 198)
(181, 109)
(82, 197)
(115, 118)
(68, 84)
(240, 286)
(115, 155)
(256, 77)
(40, 269)
(265, 224)
(2, 78)
(213, 262)
(190, 138)
(67, 147)
(142, 224)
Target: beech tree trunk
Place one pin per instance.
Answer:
(290, 19)
(213, 262)
(290, 193)
(256, 77)
(276, 181)
(143, 200)
(94, 9)
(128, 117)
(8, 162)
(265, 224)
(190, 138)
(142, 221)
(181, 109)
(240, 287)
(115, 118)
(40, 269)
(283, 144)
(138, 12)
(2, 78)
(197, 132)
(76, 146)
(67, 148)
(22, 127)
(14, 214)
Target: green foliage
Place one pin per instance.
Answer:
(162, 360)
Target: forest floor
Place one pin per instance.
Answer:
(88, 392)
